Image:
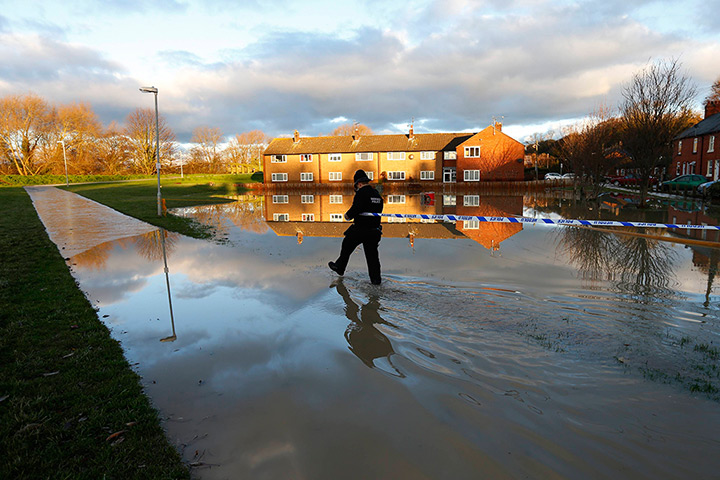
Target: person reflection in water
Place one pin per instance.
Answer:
(365, 229)
(364, 339)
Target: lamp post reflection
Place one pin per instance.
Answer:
(365, 341)
(172, 337)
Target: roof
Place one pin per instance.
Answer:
(709, 125)
(368, 143)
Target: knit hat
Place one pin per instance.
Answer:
(360, 176)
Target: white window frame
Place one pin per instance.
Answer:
(335, 176)
(396, 155)
(281, 217)
(306, 157)
(308, 217)
(306, 176)
(334, 157)
(695, 144)
(370, 175)
(427, 175)
(276, 199)
(449, 200)
(471, 175)
(679, 147)
(362, 157)
(711, 144)
(336, 199)
(396, 175)
(450, 155)
(278, 158)
(307, 198)
(396, 199)
(397, 220)
(472, 152)
(279, 177)
(427, 155)
(710, 169)
(471, 224)
(336, 217)
(471, 200)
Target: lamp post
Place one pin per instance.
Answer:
(154, 91)
(67, 181)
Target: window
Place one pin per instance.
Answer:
(335, 176)
(362, 157)
(396, 175)
(471, 224)
(370, 175)
(427, 175)
(335, 199)
(306, 157)
(449, 200)
(695, 142)
(396, 155)
(397, 220)
(451, 155)
(711, 144)
(281, 217)
(334, 157)
(427, 155)
(472, 152)
(279, 177)
(280, 199)
(471, 200)
(396, 199)
(307, 198)
(278, 159)
(679, 147)
(308, 217)
(710, 169)
(336, 217)
(306, 176)
(472, 175)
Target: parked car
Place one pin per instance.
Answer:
(553, 176)
(568, 176)
(704, 189)
(628, 180)
(683, 182)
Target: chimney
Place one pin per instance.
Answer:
(498, 126)
(296, 137)
(412, 132)
(356, 133)
(712, 107)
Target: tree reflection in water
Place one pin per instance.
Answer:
(636, 264)
(150, 245)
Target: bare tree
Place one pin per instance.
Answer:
(348, 129)
(656, 107)
(24, 126)
(140, 132)
(79, 128)
(207, 151)
(714, 93)
(247, 149)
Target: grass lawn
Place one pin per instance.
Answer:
(138, 198)
(70, 405)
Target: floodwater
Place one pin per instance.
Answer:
(489, 351)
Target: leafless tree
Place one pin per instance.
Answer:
(714, 92)
(656, 106)
(348, 129)
(247, 149)
(206, 150)
(140, 131)
(25, 122)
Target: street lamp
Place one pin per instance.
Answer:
(67, 181)
(157, 145)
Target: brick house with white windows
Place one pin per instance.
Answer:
(697, 149)
(416, 158)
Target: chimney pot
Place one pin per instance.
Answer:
(712, 107)
(296, 136)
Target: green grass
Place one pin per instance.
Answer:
(139, 198)
(65, 386)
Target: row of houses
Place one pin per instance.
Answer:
(414, 158)
(696, 150)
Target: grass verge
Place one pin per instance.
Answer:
(139, 198)
(66, 391)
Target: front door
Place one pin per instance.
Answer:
(449, 175)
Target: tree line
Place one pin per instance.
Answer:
(36, 137)
(656, 105)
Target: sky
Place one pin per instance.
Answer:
(282, 65)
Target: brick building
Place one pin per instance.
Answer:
(417, 158)
(697, 149)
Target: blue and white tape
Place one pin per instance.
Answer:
(543, 221)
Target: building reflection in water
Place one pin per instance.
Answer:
(316, 215)
(364, 339)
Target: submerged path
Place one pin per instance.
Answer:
(76, 224)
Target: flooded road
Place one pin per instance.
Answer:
(489, 351)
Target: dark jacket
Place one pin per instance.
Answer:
(367, 199)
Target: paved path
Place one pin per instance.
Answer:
(76, 224)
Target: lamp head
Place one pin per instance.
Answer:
(148, 89)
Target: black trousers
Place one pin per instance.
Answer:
(370, 239)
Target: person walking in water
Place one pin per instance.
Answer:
(365, 229)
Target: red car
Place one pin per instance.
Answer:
(628, 180)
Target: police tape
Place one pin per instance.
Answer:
(542, 221)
